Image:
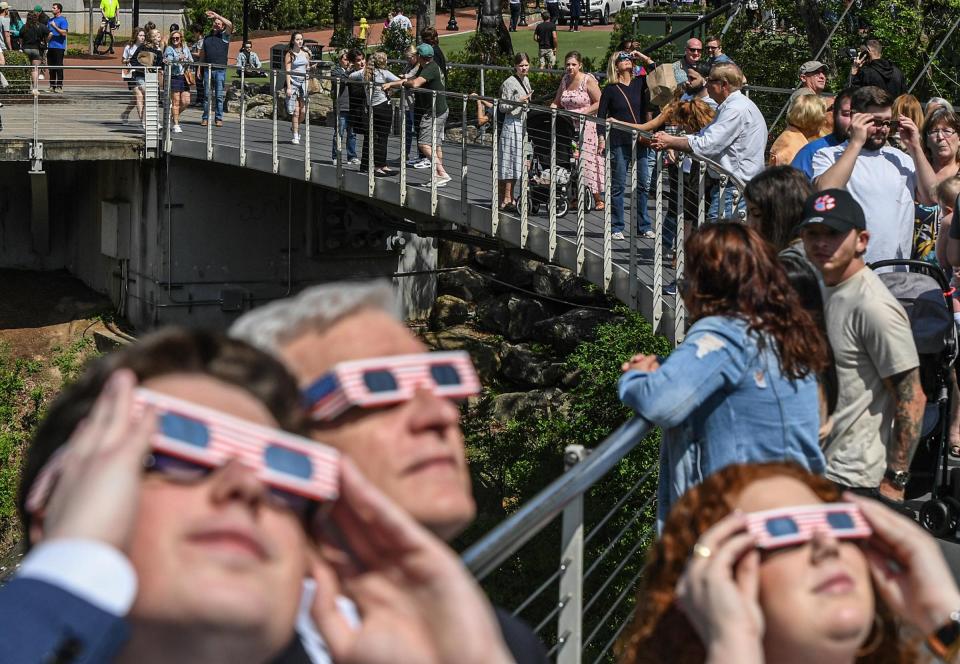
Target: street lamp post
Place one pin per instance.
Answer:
(452, 23)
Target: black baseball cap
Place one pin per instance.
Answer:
(834, 208)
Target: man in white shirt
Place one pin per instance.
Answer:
(401, 21)
(882, 179)
(736, 139)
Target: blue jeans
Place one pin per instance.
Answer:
(729, 194)
(619, 169)
(344, 129)
(217, 80)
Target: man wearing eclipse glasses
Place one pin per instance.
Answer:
(374, 393)
(172, 520)
(882, 179)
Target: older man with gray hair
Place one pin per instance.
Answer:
(413, 449)
(736, 138)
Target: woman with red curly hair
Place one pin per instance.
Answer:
(728, 582)
(742, 386)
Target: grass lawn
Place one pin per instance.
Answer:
(592, 43)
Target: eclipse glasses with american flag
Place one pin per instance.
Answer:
(795, 525)
(383, 381)
(295, 467)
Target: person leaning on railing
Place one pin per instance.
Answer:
(383, 79)
(342, 129)
(742, 387)
(854, 583)
(433, 112)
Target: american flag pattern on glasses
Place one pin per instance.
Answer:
(209, 438)
(383, 381)
(794, 525)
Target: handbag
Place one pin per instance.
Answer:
(662, 83)
(189, 77)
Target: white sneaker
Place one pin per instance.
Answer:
(423, 163)
(296, 139)
(617, 236)
(413, 162)
(649, 235)
(40, 77)
(355, 161)
(176, 129)
(442, 182)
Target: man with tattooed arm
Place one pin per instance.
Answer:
(880, 405)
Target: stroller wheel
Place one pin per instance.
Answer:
(939, 518)
(562, 206)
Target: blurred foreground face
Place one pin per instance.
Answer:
(216, 553)
(412, 451)
(816, 597)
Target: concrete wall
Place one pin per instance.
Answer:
(202, 242)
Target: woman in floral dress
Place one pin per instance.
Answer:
(580, 93)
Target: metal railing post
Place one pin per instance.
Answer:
(305, 123)
(433, 153)
(634, 219)
(211, 111)
(701, 195)
(607, 231)
(570, 618)
(403, 146)
(581, 239)
(274, 151)
(657, 312)
(524, 178)
(368, 145)
(483, 88)
(494, 175)
(552, 202)
(679, 322)
(464, 168)
(167, 138)
(151, 110)
(243, 117)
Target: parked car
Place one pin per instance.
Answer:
(600, 10)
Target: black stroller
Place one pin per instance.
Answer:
(539, 175)
(925, 294)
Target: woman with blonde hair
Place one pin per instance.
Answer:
(375, 71)
(803, 125)
(177, 55)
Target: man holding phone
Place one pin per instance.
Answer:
(882, 179)
(869, 68)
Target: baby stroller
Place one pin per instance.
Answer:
(539, 175)
(925, 294)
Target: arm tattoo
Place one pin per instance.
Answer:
(909, 402)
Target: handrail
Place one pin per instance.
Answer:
(485, 555)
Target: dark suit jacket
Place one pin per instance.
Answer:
(44, 624)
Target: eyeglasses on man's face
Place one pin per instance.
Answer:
(694, 50)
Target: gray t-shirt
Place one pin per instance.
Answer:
(871, 339)
(379, 76)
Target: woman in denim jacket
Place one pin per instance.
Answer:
(742, 386)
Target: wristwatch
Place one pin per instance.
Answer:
(944, 642)
(898, 478)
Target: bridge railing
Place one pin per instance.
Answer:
(566, 190)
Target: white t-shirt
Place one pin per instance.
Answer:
(402, 21)
(883, 183)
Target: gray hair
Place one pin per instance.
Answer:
(941, 102)
(316, 308)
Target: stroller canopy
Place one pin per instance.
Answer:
(931, 317)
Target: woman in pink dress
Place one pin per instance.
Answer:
(579, 92)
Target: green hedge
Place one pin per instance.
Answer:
(18, 79)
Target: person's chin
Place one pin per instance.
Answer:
(446, 513)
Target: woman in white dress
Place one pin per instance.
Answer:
(515, 89)
(295, 63)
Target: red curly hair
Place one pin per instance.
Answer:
(732, 271)
(660, 631)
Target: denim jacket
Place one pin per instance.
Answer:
(720, 400)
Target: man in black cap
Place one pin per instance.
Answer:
(876, 424)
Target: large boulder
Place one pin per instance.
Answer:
(522, 365)
(511, 315)
(566, 331)
(448, 311)
(464, 284)
(513, 267)
(484, 349)
(544, 403)
(564, 284)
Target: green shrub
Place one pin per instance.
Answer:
(18, 79)
(395, 40)
(232, 9)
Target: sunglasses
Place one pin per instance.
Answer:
(889, 124)
(623, 55)
(192, 440)
(695, 50)
(384, 381)
(789, 526)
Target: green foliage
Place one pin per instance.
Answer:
(232, 9)
(19, 79)
(395, 41)
(69, 360)
(512, 462)
(343, 38)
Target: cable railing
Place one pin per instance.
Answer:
(564, 193)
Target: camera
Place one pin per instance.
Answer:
(852, 53)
